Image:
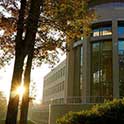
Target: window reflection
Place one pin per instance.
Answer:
(101, 84)
(102, 31)
(120, 28)
(121, 66)
(106, 31)
(95, 32)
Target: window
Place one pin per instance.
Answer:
(120, 28)
(102, 31)
(106, 31)
(95, 32)
(121, 66)
(101, 62)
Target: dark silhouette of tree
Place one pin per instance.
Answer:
(32, 24)
(12, 111)
(24, 48)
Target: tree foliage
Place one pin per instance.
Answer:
(60, 21)
(72, 17)
(45, 45)
(3, 105)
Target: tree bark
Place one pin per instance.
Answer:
(32, 24)
(11, 117)
(26, 99)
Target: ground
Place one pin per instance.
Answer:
(3, 122)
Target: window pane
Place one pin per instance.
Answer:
(95, 32)
(101, 84)
(95, 90)
(106, 69)
(107, 31)
(120, 30)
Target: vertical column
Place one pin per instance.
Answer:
(88, 69)
(86, 72)
(76, 87)
(115, 59)
(69, 79)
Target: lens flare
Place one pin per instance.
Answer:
(20, 91)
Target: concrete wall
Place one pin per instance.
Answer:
(57, 111)
(39, 114)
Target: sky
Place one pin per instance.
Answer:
(37, 76)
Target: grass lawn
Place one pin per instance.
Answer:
(3, 122)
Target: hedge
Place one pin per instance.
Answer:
(106, 113)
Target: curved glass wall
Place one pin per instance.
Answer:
(121, 66)
(101, 66)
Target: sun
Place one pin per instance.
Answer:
(20, 91)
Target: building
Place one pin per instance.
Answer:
(96, 65)
(54, 82)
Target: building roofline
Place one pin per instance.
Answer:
(98, 2)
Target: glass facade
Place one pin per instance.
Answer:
(121, 66)
(99, 74)
(101, 66)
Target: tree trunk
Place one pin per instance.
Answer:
(23, 48)
(32, 24)
(26, 99)
(12, 110)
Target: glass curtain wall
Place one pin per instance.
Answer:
(101, 65)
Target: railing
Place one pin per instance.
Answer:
(80, 100)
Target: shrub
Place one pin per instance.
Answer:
(108, 112)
